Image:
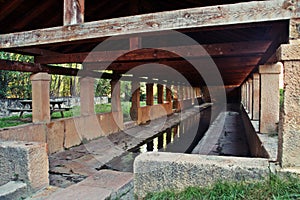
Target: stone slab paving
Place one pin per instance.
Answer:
(105, 184)
(77, 163)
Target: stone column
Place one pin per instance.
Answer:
(116, 107)
(168, 93)
(149, 94)
(135, 100)
(269, 100)
(250, 98)
(289, 125)
(87, 95)
(256, 96)
(247, 97)
(193, 90)
(40, 97)
(175, 97)
(160, 94)
(243, 94)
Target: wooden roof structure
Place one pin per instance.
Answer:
(238, 35)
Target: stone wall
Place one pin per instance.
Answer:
(24, 162)
(63, 133)
(158, 171)
(147, 113)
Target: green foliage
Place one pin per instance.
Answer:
(281, 97)
(273, 187)
(15, 84)
(103, 87)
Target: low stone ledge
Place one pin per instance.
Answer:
(25, 162)
(154, 172)
(13, 190)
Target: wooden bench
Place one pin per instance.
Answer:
(20, 110)
(61, 110)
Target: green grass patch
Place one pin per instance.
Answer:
(273, 187)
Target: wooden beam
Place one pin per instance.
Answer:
(35, 68)
(9, 7)
(73, 12)
(181, 65)
(223, 49)
(248, 12)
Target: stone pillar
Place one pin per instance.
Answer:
(116, 107)
(135, 100)
(247, 96)
(87, 95)
(269, 100)
(256, 96)
(175, 97)
(40, 97)
(289, 125)
(168, 93)
(149, 94)
(250, 97)
(243, 94)
(193, 95)
(160, 94)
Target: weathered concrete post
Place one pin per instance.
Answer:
(87, 95)
(193, 90)
(40, 97)
(169, 98)
(250, 97)
(116, 107)
(135, 100)
(160, 94)
(149, 94)
(256, 96)
(269, 100)
(243, 94)
(289, 125)
(175, 97)
(247, 97)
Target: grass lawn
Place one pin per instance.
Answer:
(75, 111)
(270, 188)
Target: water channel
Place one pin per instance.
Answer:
(180, 138)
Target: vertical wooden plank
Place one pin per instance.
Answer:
(73, 12)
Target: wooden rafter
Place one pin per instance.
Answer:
(179, 19)
(35, 68)
(223, 49)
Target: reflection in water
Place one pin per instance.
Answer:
(180, 138)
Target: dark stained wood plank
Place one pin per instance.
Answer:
(73, 12)
(179, 19)
(31, 15)
(9, 7)
(223, 49)
(35, 68)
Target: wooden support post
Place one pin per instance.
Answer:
(135, 100)
(269, 99)
(116, 103)
(289, 124)
(160, 94)
(40, 97)
(87, 95)
(73, 12)
(149, 94)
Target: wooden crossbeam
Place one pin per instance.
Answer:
(35, 68)
(193, 51)
(248, 12)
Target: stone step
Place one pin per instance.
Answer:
(13, 190)
(105, 184)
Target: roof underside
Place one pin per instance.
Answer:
(237, 49)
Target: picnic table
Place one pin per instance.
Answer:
(55, 106)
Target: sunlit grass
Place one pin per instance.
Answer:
(75, 111)
(270, 188)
